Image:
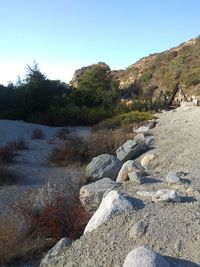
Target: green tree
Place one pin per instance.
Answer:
(95, 88)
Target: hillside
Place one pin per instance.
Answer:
(159, 73)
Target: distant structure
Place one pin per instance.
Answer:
(179, 98)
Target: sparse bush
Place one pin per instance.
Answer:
(7, 176)
(16, 244)
(19, 144)
(74, 150)
(37, 134)
(64, 216)
(81, 150)
(7, 154)
(125, 119)
(63, 134)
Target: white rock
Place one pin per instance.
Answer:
(166, 195)
(172, 178)
(113, 203)
(142, 129)
(103, 166)
(128, 167)
(147, 159)
(92, 194)
(144, 257)
(55, 251)
(146, 193)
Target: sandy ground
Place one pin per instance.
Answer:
(31, 165)
(173, 229)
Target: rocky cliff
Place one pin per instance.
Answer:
(159, 73)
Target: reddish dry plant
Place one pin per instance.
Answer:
(37, 134)
(65, 216)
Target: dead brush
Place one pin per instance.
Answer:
(37, 134)
(7, 176)
(15, 243)
(79, 150)
(19, 144)
(7, 154)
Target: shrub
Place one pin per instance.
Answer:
(125, 119)
(19, 144)
(7, 154)
(74, 150)
(15, 243)
(65, 216)
(62, 134)
(81, 150)
(37, 134)
(7, 176)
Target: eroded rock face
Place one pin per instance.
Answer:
(144, 257)
(103, 166)
(130, 166)
(92, 194)
(55, 252)
(113, 203)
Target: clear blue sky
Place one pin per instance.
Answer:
(63, 35)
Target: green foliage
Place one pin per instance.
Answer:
(126, 118)
(95, 88)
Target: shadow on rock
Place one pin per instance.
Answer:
(174, 262)
(137, 203)
(150, 180)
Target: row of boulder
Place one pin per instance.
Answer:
(104, 199)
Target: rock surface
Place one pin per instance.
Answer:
(55, 251)
(113, 203)
(130, 166)
(131, 149)
(103, 166)
(144, 257)
(172, 178)
(136, 177)
(92, 194)
(147, 159)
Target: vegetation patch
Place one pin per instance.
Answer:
(37, 134)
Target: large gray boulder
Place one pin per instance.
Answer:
(144, 257)
(131, 149)
(112, 203)
(103, 166)
(92, 194)
(128, 169)
(54, 252)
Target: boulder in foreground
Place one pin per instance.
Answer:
(144, 257)
(113, 202)
(92, 194)
(103, 166)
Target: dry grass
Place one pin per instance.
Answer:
(81, 150)
(19, 144)
(7, 176)
(16, 244)
(7, 154)
(37, 134)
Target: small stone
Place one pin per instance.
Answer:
(129, 167)
(136, 177)
(147, 159)
(166, 195)
(172, 178)
(138, 230)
